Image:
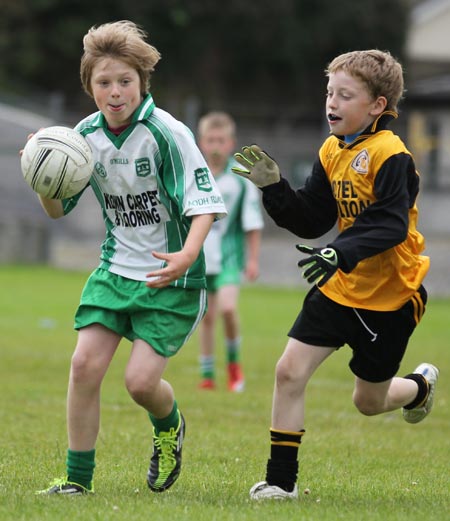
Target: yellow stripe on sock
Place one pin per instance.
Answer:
(290, 433)
(286, 443)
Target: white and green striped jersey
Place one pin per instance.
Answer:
(225, 247)
(150, 180)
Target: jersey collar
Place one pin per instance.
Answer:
(144, 110)
(380, 123)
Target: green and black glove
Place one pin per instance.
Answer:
(259, 167)
(321, 264)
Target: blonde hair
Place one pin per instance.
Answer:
(378, 70)
(216, 119)
(122, 40)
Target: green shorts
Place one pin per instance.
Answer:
(228, 277)
(164, 318)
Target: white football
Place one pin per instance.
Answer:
(57, 162)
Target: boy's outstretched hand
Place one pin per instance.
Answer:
(321, 264)
(176, 264)
(259, 167)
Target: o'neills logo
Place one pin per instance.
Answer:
(361, 162)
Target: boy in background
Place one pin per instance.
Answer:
(231, 249)
(367, 283)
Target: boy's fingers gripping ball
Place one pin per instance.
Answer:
(259, 167)
(57, 162)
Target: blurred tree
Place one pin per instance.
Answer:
(272, 53)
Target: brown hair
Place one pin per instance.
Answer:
(379, 70)
(122, 40)
(216, 119)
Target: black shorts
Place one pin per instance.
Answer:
(378, 338)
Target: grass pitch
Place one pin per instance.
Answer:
(354, 467)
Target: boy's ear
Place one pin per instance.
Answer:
(379, 106)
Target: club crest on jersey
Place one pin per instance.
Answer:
(202, 179)
(142, 166)
(361, 162)
(100, 169)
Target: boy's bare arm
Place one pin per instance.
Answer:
(52, 207)
(177, 263)
(253, 240)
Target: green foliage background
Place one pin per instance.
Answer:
(264, 51)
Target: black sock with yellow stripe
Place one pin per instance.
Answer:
(422, 393)
(282, 467)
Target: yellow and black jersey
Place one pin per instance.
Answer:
(369, 187)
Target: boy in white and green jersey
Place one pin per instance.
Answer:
(149, 180)
(231, 249)
(158, 201)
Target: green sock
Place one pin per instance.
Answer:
(165, 424)
(80, 467)
(207, 366)
(233, 347)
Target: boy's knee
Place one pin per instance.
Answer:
(81, 368)
(138, 387)
(285, 375)
(369, 406)
(229, 311)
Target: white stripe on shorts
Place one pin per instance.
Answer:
(200, 314)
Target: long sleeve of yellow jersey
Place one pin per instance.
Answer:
(308, 212)
(311, 211)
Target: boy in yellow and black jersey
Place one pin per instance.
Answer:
(367, 283)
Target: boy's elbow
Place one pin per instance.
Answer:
(53, 211)
(52, 207)
(53, 215)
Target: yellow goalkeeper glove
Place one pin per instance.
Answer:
(320, 265)
(259, 167)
